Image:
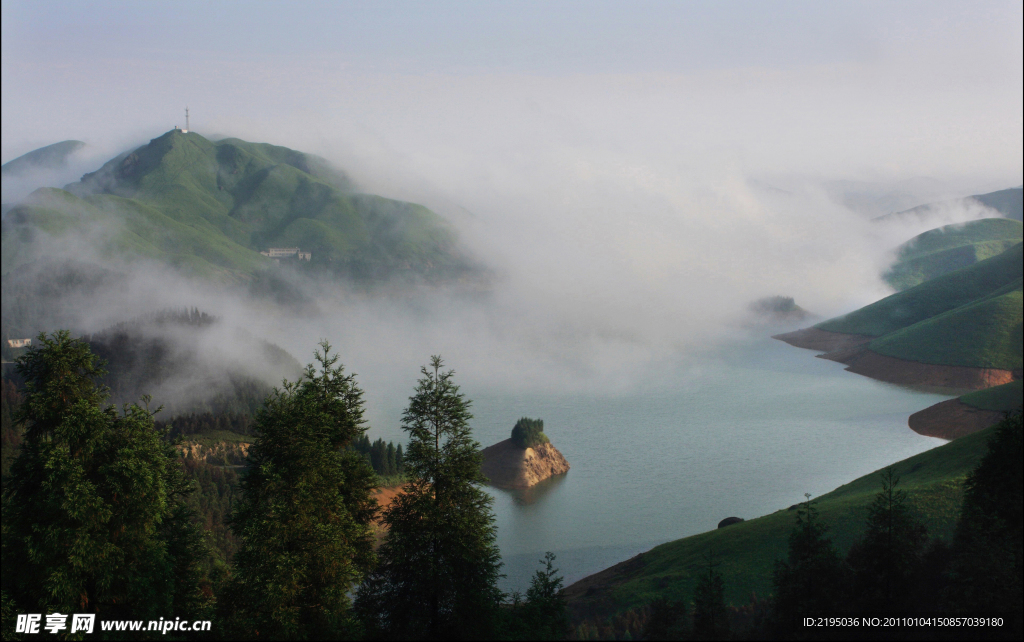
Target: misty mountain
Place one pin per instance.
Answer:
(951, 247)
(189, 361)
(1008, 202)
(49, 157)
(879, 199)
(209, 208)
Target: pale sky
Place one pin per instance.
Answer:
(842, 88)
(635, 172)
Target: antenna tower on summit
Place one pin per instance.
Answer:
(186, 119)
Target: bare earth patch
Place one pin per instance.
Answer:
(952, 419)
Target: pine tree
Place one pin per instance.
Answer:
(887, 559)
(710, 616)
(988, 550)
(811, 580)
(94, 519)
(546, 611)
(667, 620)
(305, 511)
(438, 564)
(391, 466)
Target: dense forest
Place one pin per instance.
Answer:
(281, 545)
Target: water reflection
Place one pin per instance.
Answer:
(533, 494)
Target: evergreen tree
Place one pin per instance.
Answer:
(392, 467)
(438, 563)
(667, 620)
(304, 517)
(811, 580)
(546, 611)
(529, 433)
(887, 560)
(710, 616)
(94, 519)
(987, 549)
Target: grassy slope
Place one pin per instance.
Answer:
(1009, 202)
(951, 247)
(130, 229)
(984, 334)
(1008, 396)
(932, 298)
(214, 205)
(53, 155)
(748, 550)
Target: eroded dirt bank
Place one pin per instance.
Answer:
(952, 419)
(220, 453)
(852, 350)
(507, 465)
(864, 361)
(822, 340)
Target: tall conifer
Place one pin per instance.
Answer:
(812, 579)
(438, 564)
(886, 560)
(94, 520)
(305, 511)
(710, 615)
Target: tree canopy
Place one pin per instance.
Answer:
(438, 563)
(304, 517)
(529, 433)
(94, 515)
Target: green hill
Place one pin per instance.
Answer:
(951, 247)
(1009, 396)
(1009, 202)
(49, 157)
(747, 551)
(933, 297)
(968, 317)
(984, 334)
(210, 207)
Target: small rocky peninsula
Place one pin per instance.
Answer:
(526, 458)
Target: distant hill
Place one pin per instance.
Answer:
(950, 247)
(49, 157)
(1008, 202)
(931, 298)
(189, 362)
(210, 208)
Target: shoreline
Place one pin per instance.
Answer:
(952, 419)
(853, 351)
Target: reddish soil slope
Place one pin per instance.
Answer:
(952, 419)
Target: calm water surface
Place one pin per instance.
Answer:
(743, 431)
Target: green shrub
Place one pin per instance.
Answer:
(528, 433)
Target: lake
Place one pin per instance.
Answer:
(743, 430)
